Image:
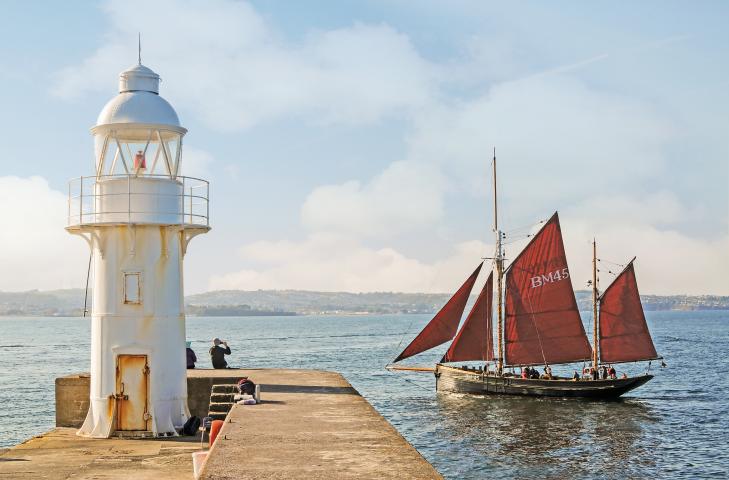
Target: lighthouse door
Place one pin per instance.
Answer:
(132, 380)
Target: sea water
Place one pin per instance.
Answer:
(676, 426)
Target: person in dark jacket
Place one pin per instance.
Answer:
(218, 353)
(191, 357)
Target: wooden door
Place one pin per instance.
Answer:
(132, 380)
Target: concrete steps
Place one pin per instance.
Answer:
(221, 400)
(221, 397)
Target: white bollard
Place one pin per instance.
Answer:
(198, 460)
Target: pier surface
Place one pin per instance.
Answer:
(61, 454)
(311, 424)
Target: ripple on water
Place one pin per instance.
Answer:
(673, 427)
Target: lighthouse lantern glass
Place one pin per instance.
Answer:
(137, 150)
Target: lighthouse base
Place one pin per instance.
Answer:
(107, 417)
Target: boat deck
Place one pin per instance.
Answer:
(462, 380)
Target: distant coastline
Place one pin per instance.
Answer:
(234, 303)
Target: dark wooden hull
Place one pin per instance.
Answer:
(458, 380)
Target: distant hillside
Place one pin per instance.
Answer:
(300, 302)
(309, 302)
(667, 302)
(49, 303)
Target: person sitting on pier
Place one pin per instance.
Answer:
(613, 374)
(191, 357)
(218, 353)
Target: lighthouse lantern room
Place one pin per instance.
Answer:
(138, 215)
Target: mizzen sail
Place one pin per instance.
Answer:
(475, 339)
(624, 335)
(542, 324)
(444, 325)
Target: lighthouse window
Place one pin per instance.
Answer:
(132, 288)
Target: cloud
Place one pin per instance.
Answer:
(35, 250)
(556, 138)
(405, 196)
(668, 261)
(559, 143)
(597, 156)
(563, 143)
(250, 74)
(329, 262)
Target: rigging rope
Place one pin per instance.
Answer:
(88, 275)
(524, 227)
(612, 263)
(419, 385)
(539, 337)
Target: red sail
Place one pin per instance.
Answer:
(542, 322)
(475, 340)
(624, 335)
(444, 325)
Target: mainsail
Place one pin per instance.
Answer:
(624, 335)
(444, 325)
(542, 324)
(475, 339)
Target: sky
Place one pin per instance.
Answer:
(348, 144)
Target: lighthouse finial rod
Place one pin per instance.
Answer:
(139, 47)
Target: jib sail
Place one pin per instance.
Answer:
(444, 325)
(475, 339)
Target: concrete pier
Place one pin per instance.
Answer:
(311, 424)
(61, 454)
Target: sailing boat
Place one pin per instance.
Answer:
(538, 323)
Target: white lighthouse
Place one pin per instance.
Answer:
(138, 216)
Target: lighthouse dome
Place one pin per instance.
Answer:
(138, 101)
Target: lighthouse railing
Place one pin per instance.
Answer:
(138, 199)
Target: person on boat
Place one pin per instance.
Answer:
(191, 357)
(612, 373)
(604, 372)
(218, 353)
(594, 374)
(576, 376)
(624, 375)
(548, 372)
(535, 373)
(524, 372)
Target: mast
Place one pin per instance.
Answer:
(499, 264)
(595, 336)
